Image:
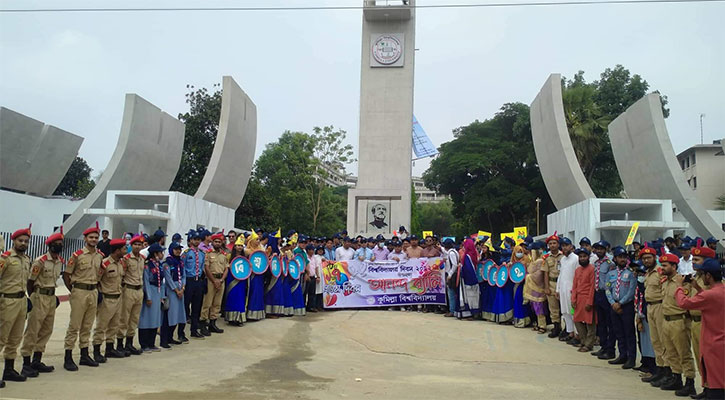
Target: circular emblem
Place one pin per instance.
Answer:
(259, 262)
(387, 50)
(502, 276)
(492, 272)
(241, 269)
(294, 269)
(479, 273)
(486, 266)
(518, 273)
(275, 266)
(300, 261)
(285, 265)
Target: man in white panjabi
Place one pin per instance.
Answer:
(568, 263)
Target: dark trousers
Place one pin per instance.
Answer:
(193, 297)
(310, 294)
(624, 330)
(605, 332)
(166, 330)
(147, 338)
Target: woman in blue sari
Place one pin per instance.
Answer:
(255, 295)
(287, 283)
(175, 278)
(521, 310)
(153, 283)
(484, 287)
(469, 295)
(273, 303)
(235, 309)
(503, 303)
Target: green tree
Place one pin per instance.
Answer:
(438, 217)
(202, 126)
(415, 227)
(255, 211)
(77, 181)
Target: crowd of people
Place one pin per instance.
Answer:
(662, 299)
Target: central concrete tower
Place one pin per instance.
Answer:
(380, 203)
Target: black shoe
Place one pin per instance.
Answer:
(701, 395)
(656, 374)
(86, 359)
(97, 356)
(69, 364)
(129, 347)
(204, 328)
(113, 353)
(556, 331)
(606, 356)
(28, 371)
(10, 374)
(629, 364)
(38, 365)
(166, 345)
(688, 389)
(214, 328)
(674, 383)
(618, 361)
(2, 383)
(597, 353)
(196, 335)
(172, 341)
(183, 339)
(121, 348)
(574, 342)
(664, 377)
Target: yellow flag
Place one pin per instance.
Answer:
(521, 233)
(632, 234)
(427, 233)
(279, 233)
(488, 244)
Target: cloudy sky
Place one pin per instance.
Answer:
(302, 68)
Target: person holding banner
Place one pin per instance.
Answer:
(469, 295)
(235, 310)
(255, 290)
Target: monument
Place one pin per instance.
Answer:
(380, 203)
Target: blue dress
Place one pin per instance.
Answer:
(503, 303)
(235, 309)
(153, 282)
(521, 310)
(255, 305)
(469, 294)
(175, 277)
(287, 296)
(273, 301)
(298, 297)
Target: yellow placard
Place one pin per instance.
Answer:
(521, 233)
(503, 236)
(427, 233)
(488, 244)
(632, 234)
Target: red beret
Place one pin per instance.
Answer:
(703, 252)
(647, 250)
(21, 232)
(552, 237)
(118, 242)
(669, 258)
(137, 238)
(93, 229)
(216, 236)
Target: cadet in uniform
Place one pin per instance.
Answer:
(653, 296)
(551, 269)
(676, 332)
(621, 284)
(216, 268)
(44, 273)
(109, 310)
(81, 278)
(193, 259)
(132, 296)
(602, 266)
(14, 266)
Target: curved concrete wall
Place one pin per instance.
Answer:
(34, 156)
(555, 155)
(147, 157)
(648, 166)
(230, 167)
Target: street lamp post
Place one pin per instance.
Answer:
(538, 201)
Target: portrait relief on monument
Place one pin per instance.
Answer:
(378, 217)
(387, 50)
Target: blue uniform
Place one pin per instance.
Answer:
(621, 284)
(604, 309)
(193, 260)
(329, 254)
(364, 253)
(151, 316)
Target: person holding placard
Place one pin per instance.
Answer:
(235, 308)
(255, 294)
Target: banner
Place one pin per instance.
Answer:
(427, 234)
(632, 234)
(355, 284)
(521, 232)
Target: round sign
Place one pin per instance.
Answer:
(492, 272)
(300, 261)
(240, 268)
(387, 50)
(285, 265)
(502, 276)
(486, 266)
(294, 269)
(518, 273)
(479, 273)
(259, 262)
(275, 266)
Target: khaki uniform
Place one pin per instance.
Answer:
(14, 269)
(216, 263)
(44, 273)
(676, 332)
(696, 325)
(132, 294)
(83, 268)
(653, 296)
(109, 311)
(552, 266)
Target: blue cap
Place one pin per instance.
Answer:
(176, 237)
(684, 246)
(709, 265)
(159, 233)
(528, 239)
(291, 232)
(448, 242)
(581, 251)
(638, 266)
(618, 251)
(711, 239)
(585, 240)
(602, 243)
(155, 248)
(564, 240)
(173, 246)
(380, 237)
(343, 232)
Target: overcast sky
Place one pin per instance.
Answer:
(302, 68)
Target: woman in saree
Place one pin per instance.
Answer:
(236, 291)
(484, 287)
(255, 293)
(521, 310)
(503, 303)
(273, 302)
(469, 295)
(534, 293)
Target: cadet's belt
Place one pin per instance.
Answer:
(696, 318)
(134, 287)
(48, 291)
(85, 286)
(195, 278)
(111, 296)
(217, 276)
(650, 303)
(675, 317)
(17, 295)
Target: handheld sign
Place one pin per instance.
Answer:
(259, 262)
(480, 275)
(632, 233)
(240, 268)
(492, 272)
(285, 266)
(502, 276)
(275, 266)
(486, 266)
(300, 261)
(294, 269)
(518, 272)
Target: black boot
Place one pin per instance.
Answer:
(606, 356)
(28, 371)
(701, 395)
(38, 365)
(618, 361)
(10, 374)
(598, 352)
(197, 335)
(181, 335)
(111, 352)
(664, 377)
(556, 331)
(69, 364)
(86, 358)
(673, 383)
(99, 358)
(629, 364)
(204, 328)
(214, 328)
(129, 347)
(121, 348)
(656, 374)
(688, 389)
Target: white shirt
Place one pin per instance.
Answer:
(400, 256)
(342, 254)
(685, 267)
(452, 260)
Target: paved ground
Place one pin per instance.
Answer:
(346, 355)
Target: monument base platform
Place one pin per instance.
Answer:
(371, 212)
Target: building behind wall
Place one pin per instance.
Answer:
(703, 166)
